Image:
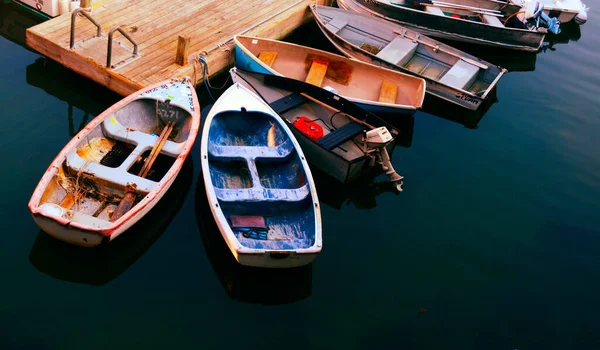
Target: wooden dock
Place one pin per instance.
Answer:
(156, 26)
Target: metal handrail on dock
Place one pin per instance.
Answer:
(86, 15)
(110, 40)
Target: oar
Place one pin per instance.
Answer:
(129, 198)
(466, 59)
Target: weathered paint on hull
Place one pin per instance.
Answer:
(458, 29)
(87, 238)
(81, 234)
(244, 255)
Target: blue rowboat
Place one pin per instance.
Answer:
(258, 183)
(376, 89)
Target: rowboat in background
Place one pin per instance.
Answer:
(564, 10)
(338, 137)
(258, 183)
(117, 168)
(451, 74)
(373, 88)
(453, 23)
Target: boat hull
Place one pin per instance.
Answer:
(456, 29)
(63, 223)
(260, 253)
(434, 88)
(247, 61)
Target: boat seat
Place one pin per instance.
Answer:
(388, 92)
(250, 152)
(461, 75)
(267, 57)
(434, 10)
(340, 135)
(288, 102)
(261, 194)
(336, 24)
(492, 20)
(317, 72)
(118, 175)
(398, 51)
(112, 128)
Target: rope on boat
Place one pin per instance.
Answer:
(206, 80)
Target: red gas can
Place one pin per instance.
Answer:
(309, 128)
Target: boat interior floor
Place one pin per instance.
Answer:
(253, 164)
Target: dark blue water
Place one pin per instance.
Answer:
(494, 244)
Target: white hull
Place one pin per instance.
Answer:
(235, 98)
(84, 229)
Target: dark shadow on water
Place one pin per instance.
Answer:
(452, 112)
(362, 194)
(14, 21)
(72, 88)
(98, 266)
(244, 283)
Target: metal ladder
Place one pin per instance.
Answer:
(99, 34)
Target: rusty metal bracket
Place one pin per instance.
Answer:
(86, 15)
(110, 40)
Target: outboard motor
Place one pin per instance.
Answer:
(533, 14)
(377, 139)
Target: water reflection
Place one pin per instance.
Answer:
(243, 283)
(14, 22)
(98, 266)
(362, 194)
(66, 85)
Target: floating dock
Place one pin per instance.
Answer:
(170, 36)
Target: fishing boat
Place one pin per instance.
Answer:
(450, 74)
(338, 137)
(452, 23)
(119, 166)
(373, 88)
(258, 183)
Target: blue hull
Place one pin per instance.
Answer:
(247, 63)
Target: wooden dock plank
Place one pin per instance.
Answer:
(162, 42)
(162, 59)
(156, 26)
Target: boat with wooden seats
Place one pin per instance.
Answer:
(373, 88)
(338, 137)
(119, 166)
(452, 23)
(451, 74)
(258, 183)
